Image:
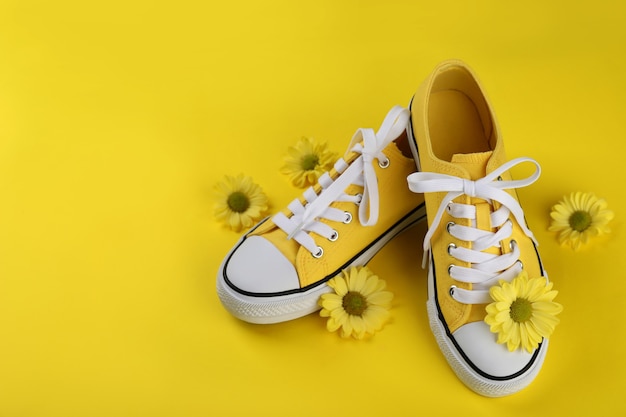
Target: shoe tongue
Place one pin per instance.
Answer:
(475, 166)
(474, 163)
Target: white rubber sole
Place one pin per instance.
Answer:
(275, 309)
(469, 376)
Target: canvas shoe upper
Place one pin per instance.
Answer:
(278, 270)
(477, 233)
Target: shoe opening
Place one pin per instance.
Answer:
(459, 118)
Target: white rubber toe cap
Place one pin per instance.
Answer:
(479, 345)
(258, 267)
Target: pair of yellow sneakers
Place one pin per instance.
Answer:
(477, 235)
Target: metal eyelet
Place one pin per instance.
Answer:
(450, 247)
(512, 244)
(383, 164)
(319, 253)
(334, 236)
(450, 269)
(348, 218)
(499, 178)
(451, 290)
(521, 264)
(449, 225)
(359, 197)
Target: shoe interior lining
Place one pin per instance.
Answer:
(402, 143)
(459, 119)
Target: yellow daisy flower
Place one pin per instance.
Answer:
(522, 312)
(578, 217)
(307, 161)
(359, 305)
(240, 202)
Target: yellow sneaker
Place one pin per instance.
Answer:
(279, 269)
(477, 237)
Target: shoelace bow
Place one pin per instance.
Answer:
(306, 217)
(486, 268)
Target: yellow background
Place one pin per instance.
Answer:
(117, 118)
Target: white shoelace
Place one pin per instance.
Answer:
(306, 217)
(486, 268)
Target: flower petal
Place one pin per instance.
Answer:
(382, 298)
(358, 326)
(340, 286)
(332, 325)
(331, 301)
(370, 286)
(357, 279)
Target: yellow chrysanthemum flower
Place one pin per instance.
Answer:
(523, 311)
(578, 217)
(306, 161)
(240, 202)
(359, 305)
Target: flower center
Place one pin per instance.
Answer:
(354, 303)
(580, 220)
(521, 310)
(309, 162)
(238, 202)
